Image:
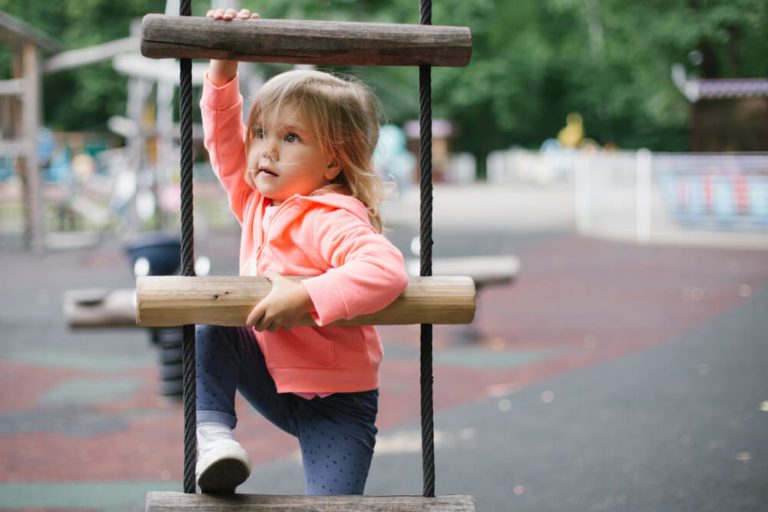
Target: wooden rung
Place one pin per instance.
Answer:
(164, 301)
(172, 501)
(305, 42)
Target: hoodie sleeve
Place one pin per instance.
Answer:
(222, 113)
(367, 272)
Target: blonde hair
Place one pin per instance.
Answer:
(344, 118)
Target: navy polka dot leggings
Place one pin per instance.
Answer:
(336, 434)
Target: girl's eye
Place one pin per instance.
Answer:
(292, 137)
(259, 132)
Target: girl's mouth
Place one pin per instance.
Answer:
(267, 171)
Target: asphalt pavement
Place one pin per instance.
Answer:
(608, 376)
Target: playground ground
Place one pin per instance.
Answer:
(609, 376)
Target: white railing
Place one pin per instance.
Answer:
(650, 196)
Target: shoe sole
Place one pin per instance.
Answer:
(223, 476)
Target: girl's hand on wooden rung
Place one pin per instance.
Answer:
(222, 71)
(283, 307)
(231, 14)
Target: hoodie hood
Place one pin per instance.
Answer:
(293, 209)
(334, 200)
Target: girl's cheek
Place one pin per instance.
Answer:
(248, 177)
(252, 159)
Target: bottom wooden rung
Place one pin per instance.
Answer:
(167, 501)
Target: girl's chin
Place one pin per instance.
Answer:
(270, 194)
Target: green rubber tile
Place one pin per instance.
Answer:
(88, 495)
(73, 360)
(91, 391)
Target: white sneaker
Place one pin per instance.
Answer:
(222, 464)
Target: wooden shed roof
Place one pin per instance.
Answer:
(732, 88)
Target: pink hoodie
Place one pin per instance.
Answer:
(326, 235)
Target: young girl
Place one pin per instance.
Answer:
(298, 178)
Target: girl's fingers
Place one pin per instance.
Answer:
(224, 14)
(255, 316)
(270, 325)
(230, 14)
(261, 324)
(245, 14)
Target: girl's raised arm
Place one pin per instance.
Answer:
(222, 71)
(221, 108)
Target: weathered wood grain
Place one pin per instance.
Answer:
(164, 301)
(305, 41)
(173, 501)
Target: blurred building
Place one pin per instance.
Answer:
(726, 114)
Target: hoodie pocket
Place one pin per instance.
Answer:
(301, 347)
(350, 347)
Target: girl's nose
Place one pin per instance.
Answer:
(269, 150)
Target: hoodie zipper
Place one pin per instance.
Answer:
(265, 235)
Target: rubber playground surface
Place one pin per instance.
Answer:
(83, 425)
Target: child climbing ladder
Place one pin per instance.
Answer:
(329, 293)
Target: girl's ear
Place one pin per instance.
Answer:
(333, 170)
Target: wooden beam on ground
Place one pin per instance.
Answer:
(484, 270)
(164, 301)
(95, 308)
(174, 501)
(305, 42)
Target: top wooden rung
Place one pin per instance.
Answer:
(305, 42)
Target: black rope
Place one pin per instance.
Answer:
(187, 261)
(425, 169)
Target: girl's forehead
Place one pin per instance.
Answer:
(285, 115)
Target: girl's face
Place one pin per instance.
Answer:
(286, 159)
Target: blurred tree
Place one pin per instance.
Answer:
(534, 61)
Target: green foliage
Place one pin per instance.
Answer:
(534, 61)
(82, 99)
(610, 60)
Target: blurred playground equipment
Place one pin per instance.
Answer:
(648, 196)
(98, 184)
(20, 100)
(447, 166)
(571, 135)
